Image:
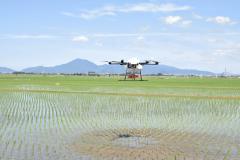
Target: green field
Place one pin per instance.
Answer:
(73, 117)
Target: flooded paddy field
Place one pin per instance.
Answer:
(98, 118)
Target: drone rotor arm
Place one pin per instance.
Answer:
(147, 62)
(116, 62)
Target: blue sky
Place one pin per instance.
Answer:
(197, 34)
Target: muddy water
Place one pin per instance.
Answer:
(154, 144)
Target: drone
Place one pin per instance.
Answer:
(133, 67)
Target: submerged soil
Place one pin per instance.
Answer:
(154, 144)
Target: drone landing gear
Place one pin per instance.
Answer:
(133, 75)
(141, 75)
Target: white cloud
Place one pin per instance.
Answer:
(153, 34)
(220, 52)
(140, 38)
(95, 13)
(89, 14)
(172, 19)
(221, 20)
(115, 35)
(197, 16)
(69, 14)
(228, 50)
(186, 23)
(224, 33)
(80, 39)
(28, 36)
(212, 40)
(140, 7)
(151, 7)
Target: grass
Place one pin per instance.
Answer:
(71, 117)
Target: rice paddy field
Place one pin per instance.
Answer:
(101, 118)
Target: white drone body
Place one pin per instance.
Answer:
(133, 66)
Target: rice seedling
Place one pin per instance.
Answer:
(109, 120)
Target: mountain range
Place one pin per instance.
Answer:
(85, 66)
(5, 70)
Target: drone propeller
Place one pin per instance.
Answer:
(156, 62)
(116, 62)
(150, 62)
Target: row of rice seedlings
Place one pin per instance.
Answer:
(124, 116)
(132, 114)
(53, 117)
(191, 91)
(35, 121)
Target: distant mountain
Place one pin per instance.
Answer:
(165, 69)
(5, 70)
(85, 66)
(75, 66)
